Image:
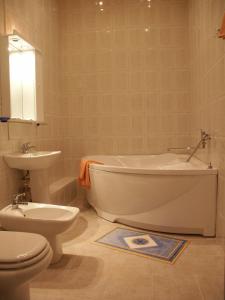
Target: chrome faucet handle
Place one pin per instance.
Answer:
(204, 138)
(202, 132)
(17, 197)
(26, 144)
(204, 135)
(207, 136)
(26, 147)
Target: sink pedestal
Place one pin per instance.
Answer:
(39, 186)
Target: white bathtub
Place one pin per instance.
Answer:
(155, 192)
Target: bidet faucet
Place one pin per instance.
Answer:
(19, 199)
(26, 147)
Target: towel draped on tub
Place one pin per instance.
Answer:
(221, 32)
(84, 177)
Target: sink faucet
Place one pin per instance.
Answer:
(19, 199)
(26, 147)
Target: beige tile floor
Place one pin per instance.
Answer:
(91, 271)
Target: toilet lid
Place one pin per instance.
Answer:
(26, 263)
(16, 247)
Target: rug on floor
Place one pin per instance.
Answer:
(144, 243)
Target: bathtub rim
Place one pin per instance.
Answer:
(141, 171)
(108, 167)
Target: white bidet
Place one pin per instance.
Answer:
(46, 219)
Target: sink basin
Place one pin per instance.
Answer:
(32, 161)
(37, 163)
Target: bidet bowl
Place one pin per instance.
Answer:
(46, 219)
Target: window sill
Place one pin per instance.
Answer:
(13, 120)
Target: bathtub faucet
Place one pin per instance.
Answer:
(204, 138)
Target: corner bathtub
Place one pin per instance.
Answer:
(155, 192)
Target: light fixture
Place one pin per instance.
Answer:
(149, 3)
(100, 5)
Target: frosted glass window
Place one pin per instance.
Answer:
(16, 92)
(26, 80)
(23, 85)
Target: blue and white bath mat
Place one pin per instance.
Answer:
(144, 243)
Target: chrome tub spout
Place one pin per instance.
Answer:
(204, 138)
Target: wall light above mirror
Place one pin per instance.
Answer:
(24, 73)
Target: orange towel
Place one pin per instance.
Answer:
(84, 178)
(221, 33)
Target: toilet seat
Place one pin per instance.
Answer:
(19, 250)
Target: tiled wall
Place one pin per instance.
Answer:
(1, 17)
(207, 58)
(122, 80)
(125, 76)
(37, 21)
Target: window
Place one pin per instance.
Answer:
(25, 80)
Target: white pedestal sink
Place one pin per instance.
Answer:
(37, 163)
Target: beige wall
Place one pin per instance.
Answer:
(2, 17)
(207, 59)
(125, 76)
(121, 82)
(37, 21)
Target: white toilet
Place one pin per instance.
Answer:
(46, 219)
(22, 257)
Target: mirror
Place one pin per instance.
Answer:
(21, 79)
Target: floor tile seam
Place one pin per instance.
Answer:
(195, 276)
